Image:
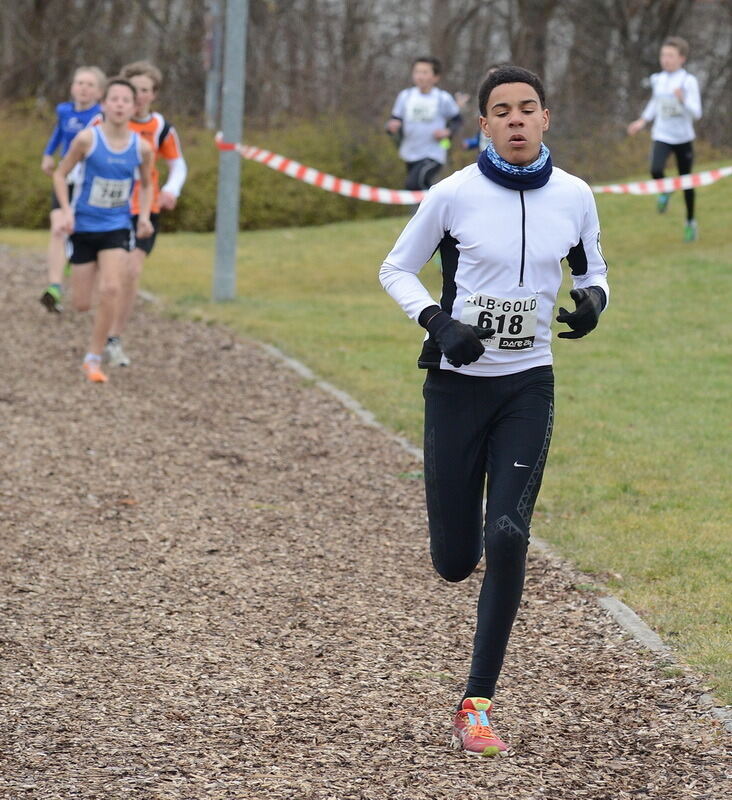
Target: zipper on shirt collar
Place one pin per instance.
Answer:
(523, 238)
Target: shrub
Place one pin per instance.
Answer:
(269, 199)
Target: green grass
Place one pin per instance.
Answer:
(636, 492)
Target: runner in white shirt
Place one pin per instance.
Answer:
(674, 105)
(424, 118)
(503, 226)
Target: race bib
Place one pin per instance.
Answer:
(109, 193)
(670, 107)
(422, 109)
(514, 320)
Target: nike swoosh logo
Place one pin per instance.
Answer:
(516, 464)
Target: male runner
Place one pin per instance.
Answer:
(424, 118)
(83, 110)
(503, 226)
(163, 139)
(673, 107)
(99, 221)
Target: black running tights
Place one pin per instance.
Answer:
(421, 174)
(684, 153)
(499, 429)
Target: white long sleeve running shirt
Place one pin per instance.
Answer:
(501, 252)
(673, 119)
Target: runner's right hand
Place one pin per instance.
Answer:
(67, 222)
(460, 343)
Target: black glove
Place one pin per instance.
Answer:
(459, 342)
(583, 319)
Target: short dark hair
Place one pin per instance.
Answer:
(118, 81)
(680, 44)
(509, 74)
(435, 63)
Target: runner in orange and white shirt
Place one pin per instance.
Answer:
(162, 137)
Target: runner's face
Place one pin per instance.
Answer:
(145, 93)
(85, 89)
(423, 76)
(119, 104)
(515, 122)
(671, 59)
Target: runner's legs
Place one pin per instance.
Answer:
(129, 284)
(473, 426)
(56, 249)
(517, 449)
(685, 161)
(660, 151)
(111, 264)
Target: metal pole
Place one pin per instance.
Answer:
(232, 115)
(212, 57)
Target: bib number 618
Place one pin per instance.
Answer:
(501, 322)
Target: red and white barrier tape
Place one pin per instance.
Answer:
(378, 194)
(288, 166)
(666, 184)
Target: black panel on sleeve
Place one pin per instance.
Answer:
(577, 259)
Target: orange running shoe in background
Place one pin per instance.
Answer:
(93, 372)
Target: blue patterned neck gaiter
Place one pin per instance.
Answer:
(511, 176)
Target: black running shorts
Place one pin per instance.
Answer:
(146, 245)
(86, 246)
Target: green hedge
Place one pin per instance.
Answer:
(268, 199)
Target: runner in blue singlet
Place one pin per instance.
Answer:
(99, 220)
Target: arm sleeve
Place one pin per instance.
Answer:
(649, 112)
(454, 124)
(451, 112)
(177, 173)
(53, 142)
(586, 260)
(399, 106)
(171, 151)
(413, 249)
(450, 108)
(692, 97)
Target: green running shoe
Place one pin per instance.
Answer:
(691, 231)
(51, 299)
(662, 202)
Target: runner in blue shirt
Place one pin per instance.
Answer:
(99, 219)
(71, 118)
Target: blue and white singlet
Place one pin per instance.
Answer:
(104, 186)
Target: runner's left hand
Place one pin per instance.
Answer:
(144, 228)
(583, 319)
(167, 201)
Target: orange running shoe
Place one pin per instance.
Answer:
(472, 730)
(93, 372)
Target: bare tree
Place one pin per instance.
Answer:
(529, 33)
(308, 58)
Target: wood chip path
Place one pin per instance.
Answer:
(215, 583)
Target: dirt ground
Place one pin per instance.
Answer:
(215, 583)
